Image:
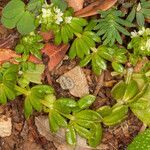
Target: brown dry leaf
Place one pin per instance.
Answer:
(140, 64)
(8, 55)
(75, 4)
(47, 35)
(42, 124)
(55, 54)
(93, 8)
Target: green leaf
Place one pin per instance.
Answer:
(3, 98)
(131, 90)
(59, 119)
(60, 4)
(83, 132)
(117, 67)
(13, 9)
(85, 60)
(26, 23)
(27, 108)
(53, 123)
(86, 101)
(118, 114)
(119, 90)
(97, 135)
(11, 23)
(65, 105)
(131, 15)
(32, 75)
(88, 115)
(104, 110)
(71, 135)
(72, 51)
(140, 19)
(35, 5)
(141, 141)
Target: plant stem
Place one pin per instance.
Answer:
(129, 74)
(78, 35)
(68, 116)
(21, 90)
(94, 49)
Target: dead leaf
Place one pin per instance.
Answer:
(42, 124)
(75, 4)
(94, 7)
(47, 35)
(8, 55)
(55, 54)
(140, 64)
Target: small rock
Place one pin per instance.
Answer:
(75, 81)
(5, 126)
(66, 82)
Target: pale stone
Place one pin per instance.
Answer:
(75, 81)
(5, 126)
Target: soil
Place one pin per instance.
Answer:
(24, 132)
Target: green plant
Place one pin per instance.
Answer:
(140, 11)
(140, 42)
(35, 6)
(111, 25)
(15, 15)
(30, 73)
(63, 24)
(80, 118)
(30, 44)
(132, 93)
(8, 80)
(83, 43)
(141, 141)
(104, 53)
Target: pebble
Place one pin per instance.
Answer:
(75, 81)
(5, 126)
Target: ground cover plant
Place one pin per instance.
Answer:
(115, 40)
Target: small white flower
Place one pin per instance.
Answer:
(20, 72)
(134, 34)
(141, 32)
(58, 20)
(57, 10)
(142, 48)
(148, 45)
(68, 19)
(46, 13)
(32, 33)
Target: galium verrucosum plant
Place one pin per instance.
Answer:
(62, 23)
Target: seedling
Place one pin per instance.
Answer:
(30, 44)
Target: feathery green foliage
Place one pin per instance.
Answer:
(111, 25)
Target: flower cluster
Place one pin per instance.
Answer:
(140, 41)
(51, 17)
(141, 32)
